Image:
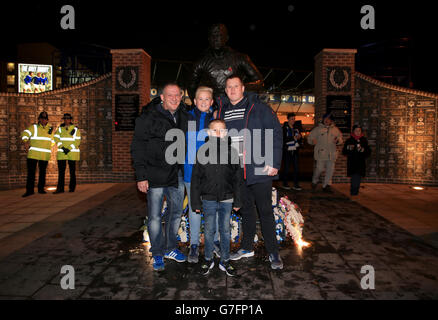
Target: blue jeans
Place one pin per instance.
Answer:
(195, 221)
(220, 211)
(162, 243)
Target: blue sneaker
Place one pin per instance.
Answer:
(228, 268)
(241, 254)
(194, 254)
(158, 263)
(176, 255)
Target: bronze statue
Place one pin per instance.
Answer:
(219, 61)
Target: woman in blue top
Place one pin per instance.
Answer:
(199, 118)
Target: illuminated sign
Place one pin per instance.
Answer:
(310, 99)
(285, 98)
(34, 78)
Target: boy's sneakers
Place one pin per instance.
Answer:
(286, 186)
(176, 255)
(193, 254)
(241, 254)
(276, 262)
(206, 266)
(297, 188)
(327, 189)
(228, 268)
(158, 263)
(217, 249)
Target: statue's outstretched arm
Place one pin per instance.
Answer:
(254, 79)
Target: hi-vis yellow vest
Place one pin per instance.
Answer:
(70, 138)
(40, 141)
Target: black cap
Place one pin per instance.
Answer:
(43, 115)
(67, 116)
(328, 115)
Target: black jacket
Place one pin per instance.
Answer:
(258, 116)
(287, 137)
(148, 145)
(215, 181)
(355, 159)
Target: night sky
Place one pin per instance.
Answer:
(286, 34)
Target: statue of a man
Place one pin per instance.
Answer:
(219, 61)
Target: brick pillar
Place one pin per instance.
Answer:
(131, 69)
(334, 76)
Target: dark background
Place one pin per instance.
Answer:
(273, 33)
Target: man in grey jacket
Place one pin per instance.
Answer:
(326, 136)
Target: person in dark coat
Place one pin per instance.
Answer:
(357, 150)
(216, 188)
(255, 132)
(158, 177)
(292, 140)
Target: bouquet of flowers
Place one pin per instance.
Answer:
(292, 217)
(288, 221)
(235, 222)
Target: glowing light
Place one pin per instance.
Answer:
(301, 243)
(11, 66)
(51, 188)
(418, 188)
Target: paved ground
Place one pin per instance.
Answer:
(103, 245)
(413, 210)
(38, 214)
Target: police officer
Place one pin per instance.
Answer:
(68, 139)
(38, 141)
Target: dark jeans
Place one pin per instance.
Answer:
(355, 184)
(288, 159)
(31, 170)
(61, 174)
(259, 194)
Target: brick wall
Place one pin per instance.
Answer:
(90, 106)
(328, 58)
(105, 153)
(141, 61)
(401, 126)
(400, 123)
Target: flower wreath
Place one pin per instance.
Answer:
(334, 83)
(122, 82)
